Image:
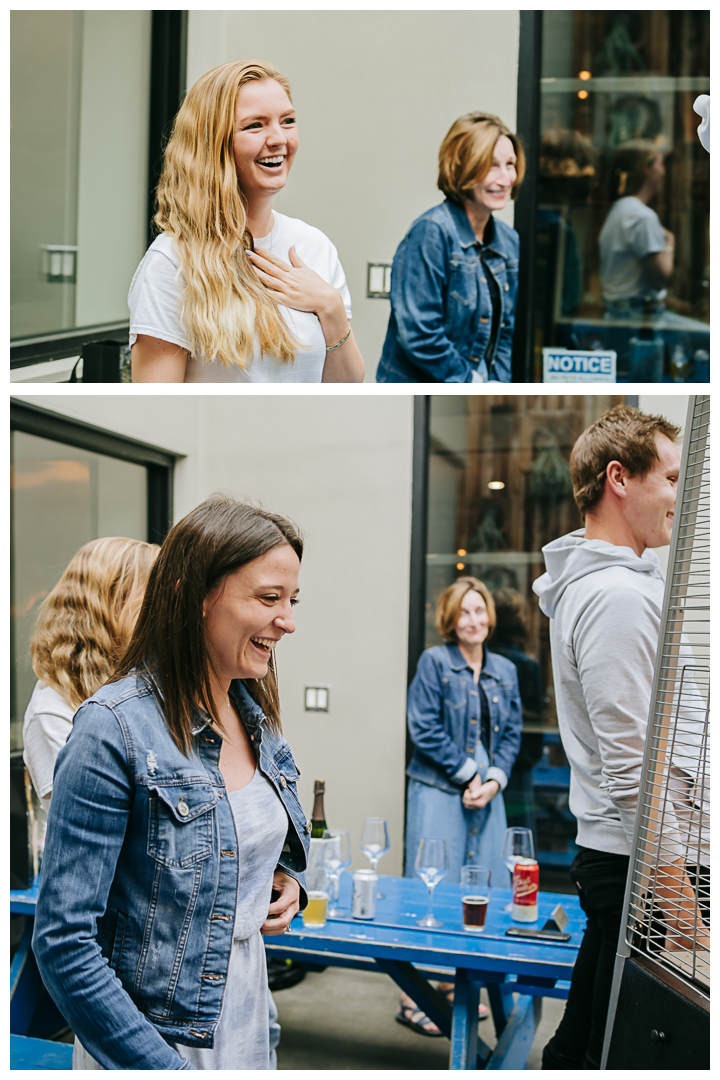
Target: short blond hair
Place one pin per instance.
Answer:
(466, 154)
(85, 623)
(447, 612)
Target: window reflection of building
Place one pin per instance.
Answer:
(499, 490)
(611, 78)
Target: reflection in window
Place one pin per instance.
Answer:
(80, 89)
(623, 190)
(61, 498)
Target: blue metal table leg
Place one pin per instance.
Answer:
(514, 1044)
(464, 1042)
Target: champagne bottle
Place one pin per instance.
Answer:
(319, 825)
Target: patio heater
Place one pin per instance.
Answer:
(660, 1000)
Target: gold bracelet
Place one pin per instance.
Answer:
(329, 348)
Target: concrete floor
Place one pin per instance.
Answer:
(344, 1019)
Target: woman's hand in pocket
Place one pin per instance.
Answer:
(477, 795)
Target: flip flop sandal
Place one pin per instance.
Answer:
(483, 1011)
(416, 1019)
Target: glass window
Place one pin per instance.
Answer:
(80, 89)
(624, 191)
(61, 498)
(498, 490)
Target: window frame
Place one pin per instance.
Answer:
(168, 64)
(160, 463)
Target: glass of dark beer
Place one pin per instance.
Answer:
(475, 892)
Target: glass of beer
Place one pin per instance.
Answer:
(315, 914)
(475, 891)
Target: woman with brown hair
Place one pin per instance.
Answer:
(81, 631)
(231, 290)
(176, 794)
(455, 275)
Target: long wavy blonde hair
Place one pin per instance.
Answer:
(201, 205)
(85, 623)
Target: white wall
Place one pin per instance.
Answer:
(339, 466)
(376, 92)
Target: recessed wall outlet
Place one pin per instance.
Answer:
(59, 263)
(317, 699)
(378, 281)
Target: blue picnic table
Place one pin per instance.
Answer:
(517, 973)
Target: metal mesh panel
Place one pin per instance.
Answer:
(669, 908)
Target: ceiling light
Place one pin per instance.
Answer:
(496, 485)
(460, 566)
(582, 94)
(584, 75)
(462, 551)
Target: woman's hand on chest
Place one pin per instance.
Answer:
(296, 285)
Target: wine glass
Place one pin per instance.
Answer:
(518, 844)
(337, 856)
(375, 842)
(431, 864)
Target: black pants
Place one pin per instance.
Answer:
(600, 878)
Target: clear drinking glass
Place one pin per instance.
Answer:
(337, 856)
(375, 842)
(316, 881)
(518, 844)
(431, 864)
(475, 894)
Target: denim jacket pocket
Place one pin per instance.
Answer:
(180, 823)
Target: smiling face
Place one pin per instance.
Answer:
(473, 623)
(249, 612)
(494, 190)
(266, 138)
(650, 502)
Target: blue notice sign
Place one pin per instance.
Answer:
(576, 365)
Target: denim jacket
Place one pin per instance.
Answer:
(136, 911)
(444, 718)
(441, 297)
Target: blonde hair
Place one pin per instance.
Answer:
(85, 623)
(466, 154)
(450, 601)
(201, 205)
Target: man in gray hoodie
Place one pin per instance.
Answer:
(603, 592)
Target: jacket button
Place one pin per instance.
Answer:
(182, 808)
(484, 280)
(496, 728)
(507, 287)
(495, 700)
(473, 831)
(308, 826)
(484, 319)
(473, 721)
(470, 854)
(283, 782)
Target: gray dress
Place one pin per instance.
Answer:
(242, 1035)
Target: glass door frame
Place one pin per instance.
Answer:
(168, 62)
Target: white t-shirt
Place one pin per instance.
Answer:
(631, 231)
(154, 301)
(47, 725)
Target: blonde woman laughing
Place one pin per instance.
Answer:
(232, 291)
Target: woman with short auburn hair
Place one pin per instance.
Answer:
(455, 274)
(465, 722)
(231, 290)
(175, 837)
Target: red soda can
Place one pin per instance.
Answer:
(526, 883)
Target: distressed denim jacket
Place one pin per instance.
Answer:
(136, 910)
(444, 717)
(441, 297)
